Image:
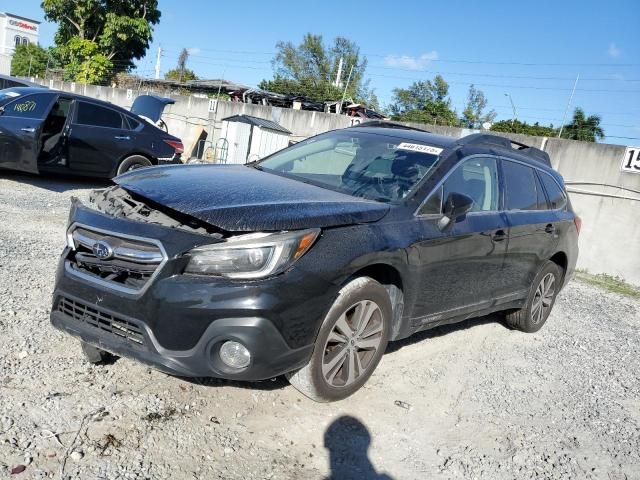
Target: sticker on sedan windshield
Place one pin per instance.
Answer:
(28, 106)
(416, 147)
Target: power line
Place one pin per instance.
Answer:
(195, 59)
(444, 60)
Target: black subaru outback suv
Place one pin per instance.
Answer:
(308, 262)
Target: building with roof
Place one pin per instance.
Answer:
(15, 30)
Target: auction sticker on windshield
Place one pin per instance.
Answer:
(415, 147)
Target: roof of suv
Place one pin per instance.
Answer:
(506, 146)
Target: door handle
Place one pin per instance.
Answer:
(550, 229)
(28, 129)
(499, 236)
(122, 137)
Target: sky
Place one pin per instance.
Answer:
(530, 52)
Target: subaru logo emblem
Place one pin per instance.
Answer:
(102, 250)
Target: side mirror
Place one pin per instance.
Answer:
(1, 110)
(455, 206)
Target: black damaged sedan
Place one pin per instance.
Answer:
(310, 261)
(44, 130)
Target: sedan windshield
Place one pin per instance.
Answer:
(373, 166)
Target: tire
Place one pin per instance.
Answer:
(540, 301)
(133, 162)
(94, 354)
(341, 347)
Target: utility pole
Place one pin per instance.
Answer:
(158, 63)
(30, 58)
(339, 74)
(568, 105)
(513, 107)
(344, 94)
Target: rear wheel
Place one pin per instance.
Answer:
(132, 163)
(350, 344)
(540, 301)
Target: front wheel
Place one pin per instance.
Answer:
(350, 344)
(540, 301)
(132, 163)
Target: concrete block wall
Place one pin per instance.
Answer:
(610, 238)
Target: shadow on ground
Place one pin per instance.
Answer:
(55, 183)
(347, 439)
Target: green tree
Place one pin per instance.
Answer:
(473, 115)
(181, 73)
(310, 70)
(424, 102)
(586, 129)
(516, 126)
(84, 62)
(29, 60)
(117, 32)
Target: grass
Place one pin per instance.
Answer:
(609, 282)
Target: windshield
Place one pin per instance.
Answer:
(373, 166)
(8, 94)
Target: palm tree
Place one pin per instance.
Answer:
(586, 129)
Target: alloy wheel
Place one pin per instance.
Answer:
(543, 298)
(352, 344)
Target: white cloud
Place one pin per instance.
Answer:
(193, 51)
(410, 62)
(613, 50)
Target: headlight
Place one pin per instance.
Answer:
(252, 255)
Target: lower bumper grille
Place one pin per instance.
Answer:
(105, 322)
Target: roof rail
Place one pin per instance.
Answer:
(507, 143)
(387, 124)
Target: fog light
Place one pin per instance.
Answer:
(235, 355)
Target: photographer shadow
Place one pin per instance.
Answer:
(348, 440)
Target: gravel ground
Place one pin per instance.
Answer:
(474, 400)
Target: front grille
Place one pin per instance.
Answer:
(121, 262)
(105, 322)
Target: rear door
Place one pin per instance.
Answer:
(532, 226)
(98, 139)
(20, 128)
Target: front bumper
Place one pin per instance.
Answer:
(183, 320)
(270, 354)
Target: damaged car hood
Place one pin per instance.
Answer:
(240, 198)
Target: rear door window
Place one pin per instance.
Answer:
(30, 106)
(98, 116)
(557, 197)
(520, 186)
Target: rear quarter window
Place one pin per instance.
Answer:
(557, 196)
